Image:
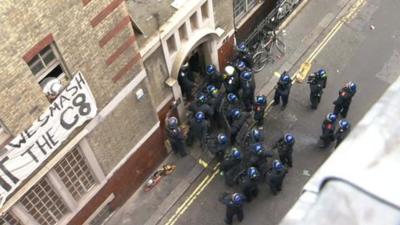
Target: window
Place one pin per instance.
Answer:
(171, 45)
(183, 32)
(204, 11)
(241, 7)
(75, 174)
(8, 219)
(46, 65)
(44, 204)
(193, 22)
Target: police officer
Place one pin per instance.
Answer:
(285, 149)
(231, 102)
(258, 157)
(240, 66)
(343, 101)
(256, 135)
(328, 130)
(200, 105)
(282, 89)
(259, 109)
(231, 80)
(243, 53)
(233, 115)
(175, 136)
(219, 146)
(249, 183)
(343, 131)
(234, 206)
(317, 83)
(232, 166)
(238, 119)
(213, 76)
(234, 158)
(198, 129)
(275, 176)
(186, 83)
(214, 101)
(248, 86)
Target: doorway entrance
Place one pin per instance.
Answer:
(192, 74)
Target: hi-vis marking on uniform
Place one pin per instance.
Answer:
(350, 15)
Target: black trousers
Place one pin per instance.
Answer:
(250, 192)
(277, 97)
(275, 188)
(342, 109)
(286, 159)
(231, 212)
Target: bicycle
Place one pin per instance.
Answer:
(264, 52)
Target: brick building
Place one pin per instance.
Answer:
(129, 53)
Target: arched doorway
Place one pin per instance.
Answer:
(201, 44)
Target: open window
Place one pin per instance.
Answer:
(48, 70)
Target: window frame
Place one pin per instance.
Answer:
(49, 67)
(63, 169)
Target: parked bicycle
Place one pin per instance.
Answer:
(268, 50)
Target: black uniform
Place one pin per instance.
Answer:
(215, 79)
(259, 110)
(217, 149)
(285, 152)
(340, 135)
(186, 83)
(248, 88)
(232, 209)
(282, 91)
(249, 187)
(232, 85)
(197, 130)
(247, 58)
(177, 140)
(316, 89)
(260, 161)
(237, 124)
(343, 102)
(215, 101)
(231, 168)
(275, 180)
(328, 133)
(202, 107)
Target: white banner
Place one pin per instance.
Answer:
(27, 151)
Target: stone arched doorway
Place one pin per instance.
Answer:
(204, 40)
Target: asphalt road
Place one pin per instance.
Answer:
(368, 55)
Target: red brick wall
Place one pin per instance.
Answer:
(128, 178)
